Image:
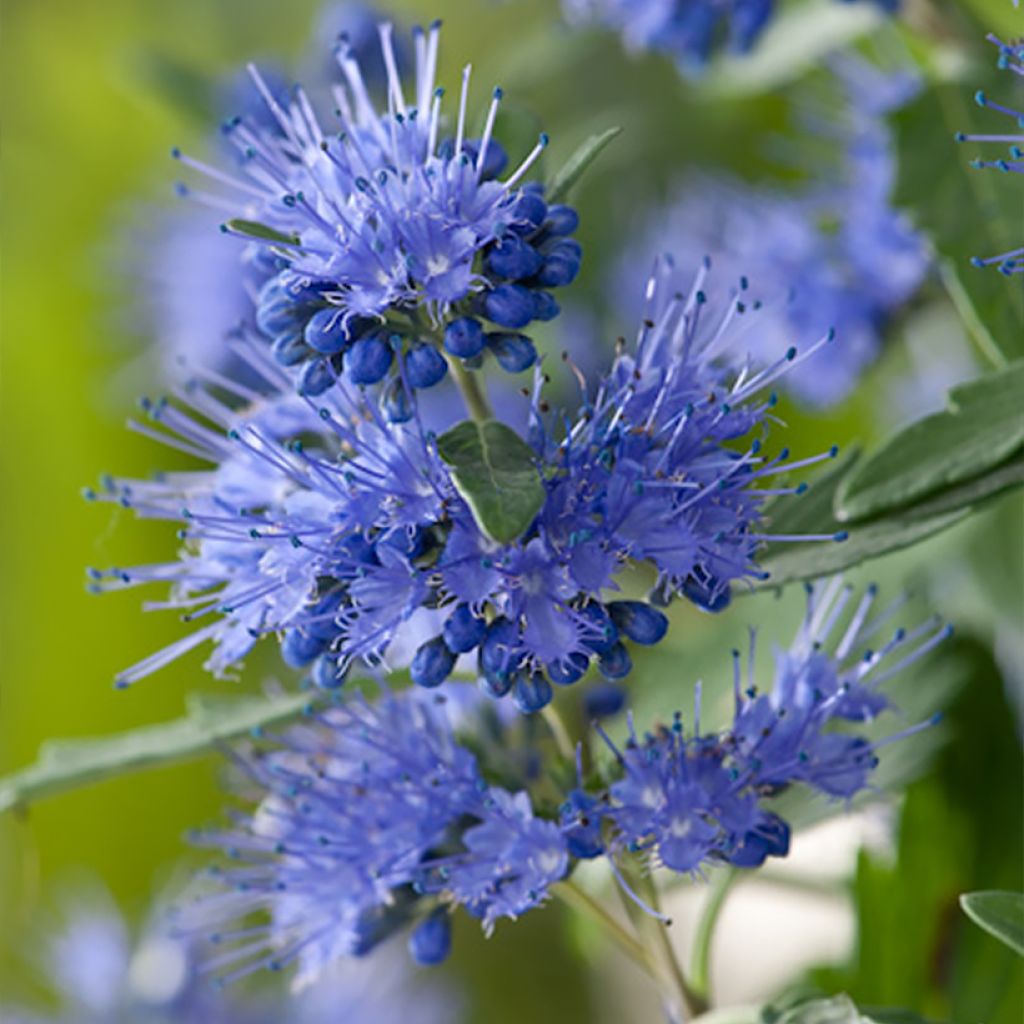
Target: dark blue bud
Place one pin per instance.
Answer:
(639, 621)
(495, 159)
(298, 648)
(510, 305)
(432, 663)
(495, 686)
(289, 348)
(769, 839)
(326, 674)
(514, 259)
(322, 615)
(602, 700)
(544, 306)
(514, 352)
(602, 634)
(396, 402)
(425, 366)
(561, 220)
(568, 671)
(463, 631)
(713, 596)
(317, 376)
(580, 816)
(561, 264)
(531, 693)
(528, 211)
(499, 657)
(325, 331)
(368, 360)
(464, 337)
(615, 663)
(275, 309)
(431, 940)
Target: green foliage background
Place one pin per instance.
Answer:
(94, 95)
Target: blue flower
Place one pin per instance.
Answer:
(688, 31)
(385, 220)
(370, 814)
(307, 523)
(689, 799)
(104, 976)
(1011, 58)
(840, 255)
(324, 523)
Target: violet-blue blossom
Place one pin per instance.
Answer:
(834, 254)
(381, 231)
(1011, 58)
(687, 799)
(372, 815)
(342, 531)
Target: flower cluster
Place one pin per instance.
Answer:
(104, 977)
(343, 532)
(688, 31)
(840, 255)
(373, 817)
(690, 800)
(387, 237)
(1011, 58)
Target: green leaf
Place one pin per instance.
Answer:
(573, 168)
(67, 764)
(983, 427)
(263, 232)
(1000, 913)
(838, 1010)
(493, 469)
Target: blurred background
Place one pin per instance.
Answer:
(95, 95)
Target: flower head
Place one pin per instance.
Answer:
(840, 256)
(1011, 58)
(370, 816)
(688, 798)
(388, 234)
(327, 524)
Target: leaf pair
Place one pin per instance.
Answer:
(925, 478)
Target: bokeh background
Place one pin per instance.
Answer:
(94, 96)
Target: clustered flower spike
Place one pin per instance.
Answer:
(344, 533)
(852, 275)
(687, 800)
(386, 236)
(104, 975)
(1011, 58)
(688, 31)
(374, 818)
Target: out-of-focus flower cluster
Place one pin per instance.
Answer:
(688, 31)
(836, 254)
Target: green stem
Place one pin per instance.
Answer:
(468, 383)
(700, 979)
(562, 739)
(976, 329)
(581, 901)
(693, 1002)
